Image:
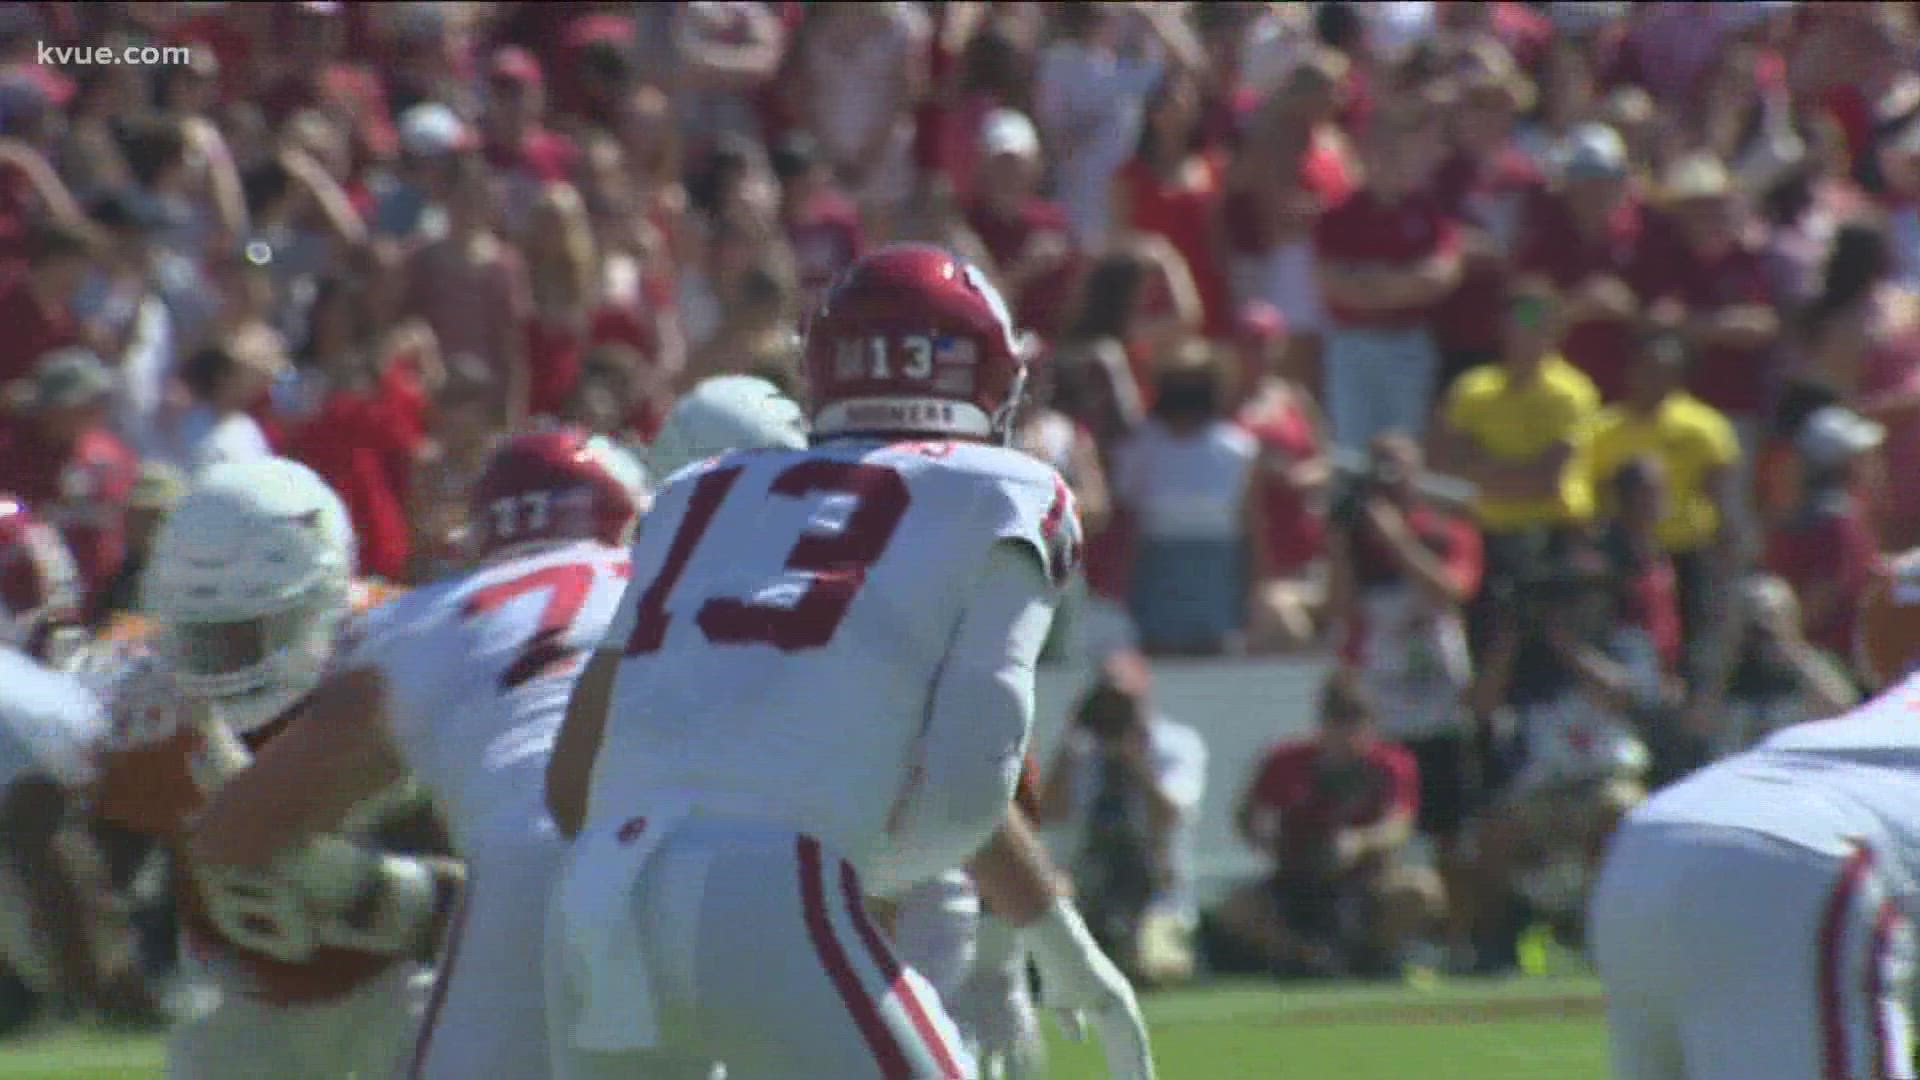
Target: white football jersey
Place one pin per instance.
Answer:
(788, 620)
(49, 723)
(1821, 784)
(479, 669)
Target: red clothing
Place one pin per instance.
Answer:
(1735, 381)
(1043, 305)
(1295, 531)
(826, 238)
(1184, 213)
(1493, 196)
(1294, 783)
(1552, 245)
(33, 329)
(1834, 547)
(352, 442)
(553, 364)
(1323, 172)
(1362, 229)
(81, 490)
(1453, 539)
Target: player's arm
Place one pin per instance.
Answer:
(1015, 879)
(570, 768)
(334, 755)
(975, 738)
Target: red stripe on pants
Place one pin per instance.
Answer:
(1883, 926)
(1833, 934)
(890, 970)
(866, 1015)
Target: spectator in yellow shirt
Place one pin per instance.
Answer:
(1699, 453)
(1517, 430)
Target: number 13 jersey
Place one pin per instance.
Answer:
(789, 619)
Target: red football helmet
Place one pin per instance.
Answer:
(912, 340)
(39, 584)
(555, 485)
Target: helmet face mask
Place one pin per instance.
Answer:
(250, 580)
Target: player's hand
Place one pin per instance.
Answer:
(1077, 979)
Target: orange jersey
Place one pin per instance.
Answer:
(149, 785)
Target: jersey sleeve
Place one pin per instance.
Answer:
(414, 667)
(1040, 512)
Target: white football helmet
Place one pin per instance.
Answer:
(727, 412)
(249, 580)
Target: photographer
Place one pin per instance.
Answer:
(1778, 677)
(1580, 685)
(1334, 812)
(1401, 570)
(1127, 783)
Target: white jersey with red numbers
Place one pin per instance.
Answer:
(788, 619)
(49, 723)
(478, 670)
(1819, 784)
(1755, 921)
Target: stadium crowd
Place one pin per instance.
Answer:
(1539, 361)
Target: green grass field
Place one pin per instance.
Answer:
(1525, 1029)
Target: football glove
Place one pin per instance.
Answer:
(1078, 980)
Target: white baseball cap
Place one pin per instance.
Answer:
(1008, 131)
(1835, 435)
(430, 129)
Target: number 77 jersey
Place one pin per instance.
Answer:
(789, 616)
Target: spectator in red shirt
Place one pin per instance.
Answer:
(1385, 257)
(1713, 277)
(823, 225)
(1827, 550)
(1334, 813)
(58, 454)
(1270, 225)
(1027, 235)
(34, 302)
(1487, 183)
(1584, 236)
(561, 276)
(524, 152)
(1291, 470)
(1172, 188)
(1642, 570)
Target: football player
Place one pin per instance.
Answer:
(819, 685)
(60, 931)
(462, 684)
(315, 957)
(1755, 920)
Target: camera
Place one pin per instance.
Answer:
(1357, 478)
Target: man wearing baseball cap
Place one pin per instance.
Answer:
(1827, 549)
(57, 453)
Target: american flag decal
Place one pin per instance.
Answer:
(1060, 529)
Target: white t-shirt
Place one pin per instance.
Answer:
(478, 671)
(1088, 103)
(1191, 488)
(837, 640)
(203, 438)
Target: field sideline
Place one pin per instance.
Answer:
(1524, 1029)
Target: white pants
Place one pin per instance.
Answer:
(487, 1016)
(362, 1035)
(1730, 955)
(758, 952)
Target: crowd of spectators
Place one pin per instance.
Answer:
(1377, 327)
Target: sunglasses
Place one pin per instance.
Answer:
(1529, 312)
